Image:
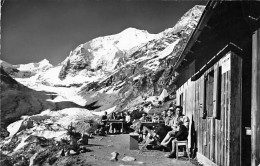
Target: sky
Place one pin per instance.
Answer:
(32, 30)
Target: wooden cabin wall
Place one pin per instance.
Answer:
(218, 134)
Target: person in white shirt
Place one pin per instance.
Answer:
(180, 128)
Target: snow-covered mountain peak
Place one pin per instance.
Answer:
(105, 53)
(44, 62)
(103, 56)
(33, 66)
(25, 70)
(133, 31)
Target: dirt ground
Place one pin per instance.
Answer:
(102, 147)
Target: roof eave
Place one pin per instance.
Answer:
(197, 31)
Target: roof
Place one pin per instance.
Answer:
(225, 20)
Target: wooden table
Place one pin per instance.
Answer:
(117, 121)
(152, 123)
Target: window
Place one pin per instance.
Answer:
(210, 89)
(209, 81)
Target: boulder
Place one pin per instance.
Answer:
(114, 156)
(128, 159)
(163, 95)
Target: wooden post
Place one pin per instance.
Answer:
(255, 110)
(235, 113)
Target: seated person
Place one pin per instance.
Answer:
(102, 125)
(181, 135)
(179, 126)
(121, 116)
(164, 114)
(155, 118)
(160, 132)
(143, 118)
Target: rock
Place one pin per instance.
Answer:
(140, 162)
(114, 156)
(84, 149)
(67, 153)
(128, 159)
(72, 152)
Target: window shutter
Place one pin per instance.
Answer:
(202, 96)
(216, 92)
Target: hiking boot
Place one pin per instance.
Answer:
(171, 155)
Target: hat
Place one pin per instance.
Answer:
(171, 108)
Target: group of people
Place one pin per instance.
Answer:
(106, 127)
(175, 127)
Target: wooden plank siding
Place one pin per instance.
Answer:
(219, 133)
